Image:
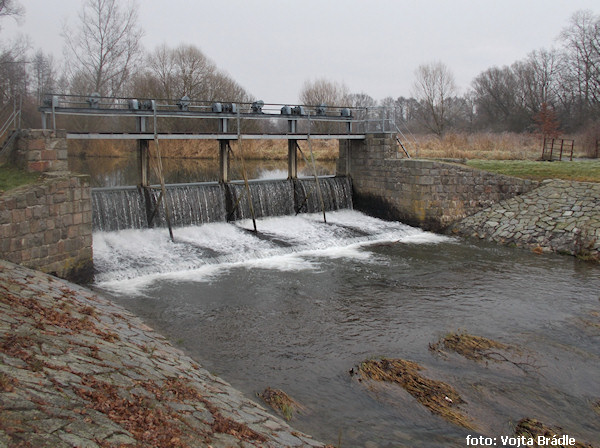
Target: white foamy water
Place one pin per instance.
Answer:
(131, 260)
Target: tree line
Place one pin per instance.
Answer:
(105, 55)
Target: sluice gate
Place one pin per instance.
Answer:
(200, 203)
(150, 121)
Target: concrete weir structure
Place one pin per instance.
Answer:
(429, 194)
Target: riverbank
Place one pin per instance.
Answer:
(558, 216)
(79, 370)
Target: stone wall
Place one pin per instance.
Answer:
(41, 150)
(559, 216)
(48, 225)
(425, 193)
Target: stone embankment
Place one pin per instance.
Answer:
(558, 216)
(78, 370)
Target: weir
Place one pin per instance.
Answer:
(150, 121)
(200, 203)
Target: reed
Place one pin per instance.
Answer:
(477, 145)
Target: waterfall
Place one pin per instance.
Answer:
(118, 209)
(336, 191)
(200, 203)
(269, 198)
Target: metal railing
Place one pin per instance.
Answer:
(235, 118)
(10, 120)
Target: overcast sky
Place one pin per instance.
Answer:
(271, 47)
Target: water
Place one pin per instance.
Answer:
(299, 304)
(123, 171)
(199, 203)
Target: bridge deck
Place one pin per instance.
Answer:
(208, 136)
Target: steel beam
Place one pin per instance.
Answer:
(224, 161)
(292, 159)
(135, 136)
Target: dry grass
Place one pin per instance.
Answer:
(440, 398)
(205, 149)
(480, 349)
(478, 145)
(488, 146)
(281, 402)
(532, 429)
(481, 145)
(475, 348)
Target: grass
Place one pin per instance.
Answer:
(12, 177)
(582, 171)
(440, 398)
(281, 402)
(206, 149)
(478, 145)
(530, 428)
(475, 348)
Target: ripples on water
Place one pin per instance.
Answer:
(299, 305)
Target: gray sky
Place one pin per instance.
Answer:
(271, 47)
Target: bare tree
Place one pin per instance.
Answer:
(323, 91)
(498, 100)
(359, 100)
(185, 70)
(11, 8)
(581, 63)
(538, 79)
(44, 74)
(103, 49)
(433, 87)
(13, 70)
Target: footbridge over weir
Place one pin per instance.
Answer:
(385, 181)
(49, 225)
(147, 120)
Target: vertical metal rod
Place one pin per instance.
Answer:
(562, 143)
(312, 158)
(162, 178)
(544, 149)
(239, 139)
(20, 110)
(53, 117)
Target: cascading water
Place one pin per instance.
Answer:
(301, 302)
(269, 198)
(118, 209)
(201, 203)
(336, 195)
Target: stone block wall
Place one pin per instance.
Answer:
(425, 193)
(41, 150)
(559, 216)
(48, 225)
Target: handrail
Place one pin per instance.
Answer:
(6, 126)
(13, 118)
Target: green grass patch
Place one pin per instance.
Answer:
(12, 177)
(582, 171)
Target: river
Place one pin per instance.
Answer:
(302, 302)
